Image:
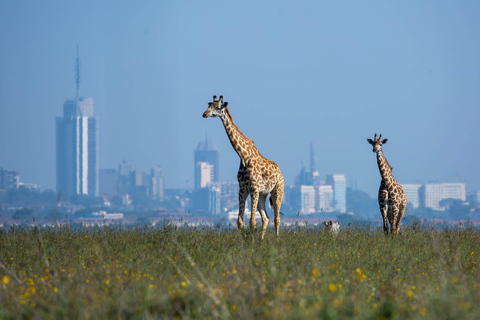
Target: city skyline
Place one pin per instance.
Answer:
(329, 73)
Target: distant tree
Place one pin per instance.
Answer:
(23, 214)
(360, 203)
(141, 198)
(26, 198)
(85, 200)
(456, 209)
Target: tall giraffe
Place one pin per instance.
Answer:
(391, 198)
(257, 176)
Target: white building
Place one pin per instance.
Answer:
(204, 172)
(325, 198)
(412, 194)
(307, 199)
(433, 194)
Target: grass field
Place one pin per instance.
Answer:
(168, 272)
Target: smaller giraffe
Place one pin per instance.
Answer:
(391, 198)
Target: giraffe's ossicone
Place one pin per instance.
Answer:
(257, 176)
(391, 197)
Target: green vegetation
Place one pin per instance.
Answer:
(169, 272)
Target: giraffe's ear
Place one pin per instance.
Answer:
(225, 104)
(384, 141)
(370, 141)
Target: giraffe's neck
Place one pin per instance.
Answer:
(383, 166)
(244, 147)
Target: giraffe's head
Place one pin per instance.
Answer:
(215, 108)
(377, 143)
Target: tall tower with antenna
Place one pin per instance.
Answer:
(313, 158)
(77, 76)
(313, 166)
(76, 140)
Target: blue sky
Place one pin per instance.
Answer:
(331, 72)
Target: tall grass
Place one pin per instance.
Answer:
(169, 272)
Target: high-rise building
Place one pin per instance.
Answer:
(206, 152)
(325, 198)
(229, 194)
(108, 182)
(125, 169)
(157, 187)
(9, 179)
(307, 199)
(203, 174)
(76, 140)
(412, 194)
(214, 199)
(433, 194)
(339, 184)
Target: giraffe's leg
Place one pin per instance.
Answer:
(382, 201)
(401, 211)
(254, 195)
(277, 197)
(263, 213)
(393, 216)
(242, 199)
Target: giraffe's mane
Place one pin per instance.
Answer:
(227, 112)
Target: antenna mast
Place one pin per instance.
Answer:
(313, 158)
(77, 76)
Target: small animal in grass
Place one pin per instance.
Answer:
(333, 227)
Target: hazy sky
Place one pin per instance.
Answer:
(331, 72)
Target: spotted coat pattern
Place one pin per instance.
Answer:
(257, 176)
(391, 197)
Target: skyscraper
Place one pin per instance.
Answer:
(206, 152)
(157, 188)
(107, 182)
(339, 184)
(76, 139)
(412, 194)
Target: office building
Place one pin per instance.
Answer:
(339, 185)
(325, 198)
(307, 199)
(433, 194)
(412, 194)
(206, 152)
(203, 174)
(108, 182)
(157, 187)
(9, 179)
(76, 146)
(229, 194)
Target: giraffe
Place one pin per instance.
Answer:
(257, 176)
(391, 198)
